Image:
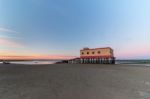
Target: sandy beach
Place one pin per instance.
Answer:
(66, 81)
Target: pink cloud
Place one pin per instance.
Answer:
(35, 57)
(9, 43)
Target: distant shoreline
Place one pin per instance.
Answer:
(122, 62)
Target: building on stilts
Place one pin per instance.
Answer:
(95, 56)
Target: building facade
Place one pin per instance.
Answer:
(97, 56)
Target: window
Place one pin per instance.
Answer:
(93, 52)
(98, 52)
(111, 52)
(87, 52)
(82, 53)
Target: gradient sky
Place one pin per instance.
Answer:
(63, 27)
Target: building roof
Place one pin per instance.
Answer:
(96, 48)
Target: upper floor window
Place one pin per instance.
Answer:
(98, 52)
(82, 53)
(93, 52)
(111, 52)
(87, 52)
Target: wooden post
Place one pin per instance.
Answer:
(99, 60)
(90, 61)
(86, 60)
(113, 60)
(96, 60)
(106, 60)
(81, 61)
(102, 60)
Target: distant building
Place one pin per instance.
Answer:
(97, 55)
(106, 52)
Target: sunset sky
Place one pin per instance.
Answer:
(60, 28)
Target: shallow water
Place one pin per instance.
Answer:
(134, 62)
(35, 62)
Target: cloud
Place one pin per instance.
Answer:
(10, 43)
(7, 30)
(8, 55)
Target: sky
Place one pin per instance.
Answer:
(60, 28)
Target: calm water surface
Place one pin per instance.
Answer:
(35, 62)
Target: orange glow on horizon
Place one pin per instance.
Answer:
(27, 55)
(4, 57)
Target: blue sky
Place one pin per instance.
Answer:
(63, 27)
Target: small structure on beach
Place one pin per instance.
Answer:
(95, 56)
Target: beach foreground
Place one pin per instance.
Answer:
(66, 81)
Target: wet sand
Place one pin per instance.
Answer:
(65, 81)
